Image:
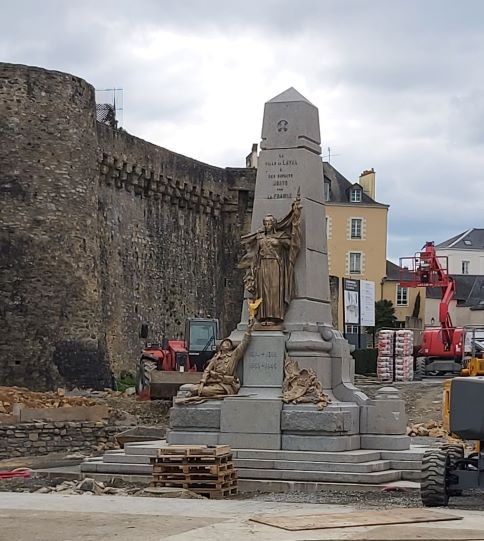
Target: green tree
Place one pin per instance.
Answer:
(384, 317)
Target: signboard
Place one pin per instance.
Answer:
(367, 303)
(351, 300)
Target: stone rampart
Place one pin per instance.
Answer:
(101, 231)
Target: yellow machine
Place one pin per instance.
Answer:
(472, 365)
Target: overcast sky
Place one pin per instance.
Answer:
(399, 85)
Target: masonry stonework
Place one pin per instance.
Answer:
(101, 231)
(34, 439)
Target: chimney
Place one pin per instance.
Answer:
(367, 182)
(251, 160)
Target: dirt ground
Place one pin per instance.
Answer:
(423, 399)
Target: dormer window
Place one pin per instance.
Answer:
(355, 195)
(327, 190)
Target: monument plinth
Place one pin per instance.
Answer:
(286, 265)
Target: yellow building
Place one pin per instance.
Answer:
(403, 298)
(356, 227)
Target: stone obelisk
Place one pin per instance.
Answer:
(290, 166)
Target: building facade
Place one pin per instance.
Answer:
(356, 229)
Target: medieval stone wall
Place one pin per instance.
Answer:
(101, 231)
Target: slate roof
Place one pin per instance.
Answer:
(472, 239)
(469, 290)
(340, 188)
(394, 272)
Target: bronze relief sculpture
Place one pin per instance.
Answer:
(218, 379)
(301, 385)
(269, 261)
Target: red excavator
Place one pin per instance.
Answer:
(441, 348)
(164, 368)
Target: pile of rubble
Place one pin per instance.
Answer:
(30, 399)
(434, 429)
(89, 486)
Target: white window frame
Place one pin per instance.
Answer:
(465, 267)
(351, 328)
(358, 222)
(327, 191)
(402, 296)
(359, 258)
(355, 195)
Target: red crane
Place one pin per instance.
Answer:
(442, 346)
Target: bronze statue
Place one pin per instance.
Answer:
(218, 379)
(269, 263)
(301, 385)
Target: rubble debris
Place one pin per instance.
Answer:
(432, 429)
(9, 396)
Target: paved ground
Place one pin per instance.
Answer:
(54, 517)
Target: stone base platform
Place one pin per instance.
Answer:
(266, 469)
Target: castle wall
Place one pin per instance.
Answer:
(101, 231)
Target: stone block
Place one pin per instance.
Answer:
(263, 364)
(239, 440)
(293, 442)
(185, 437)
(354, 457)
(390, 442)
(195, 417)
(303, 311)
(251, 416)
(385, 414)
(312, 420)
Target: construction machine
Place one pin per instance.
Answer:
(441, 349)
(447, 471)
(164, 367)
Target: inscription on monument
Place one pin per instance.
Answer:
(280, 175)
(263, 368)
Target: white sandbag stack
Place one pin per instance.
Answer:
(384, 364)
(404, 355)
(395, 349)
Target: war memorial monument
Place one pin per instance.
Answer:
(283, 380)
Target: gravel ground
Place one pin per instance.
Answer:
(473, 500)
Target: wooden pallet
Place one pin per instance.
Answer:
(194, 450)
(218, 494)
(183, 459)
(191, 468)
(208, 471)
(196, 486)
(229, 474)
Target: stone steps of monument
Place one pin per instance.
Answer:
(355, 457)
(378, 477)
(359, 467)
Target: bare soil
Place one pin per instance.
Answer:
(423, 399)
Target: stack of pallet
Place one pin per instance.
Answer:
(208, 471)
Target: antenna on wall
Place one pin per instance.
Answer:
(114, 98)
(328, 155)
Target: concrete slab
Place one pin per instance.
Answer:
(391, 442)
(325, 476)
(293, 442)
(354, 456)
(56, 517)
(362, 467)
